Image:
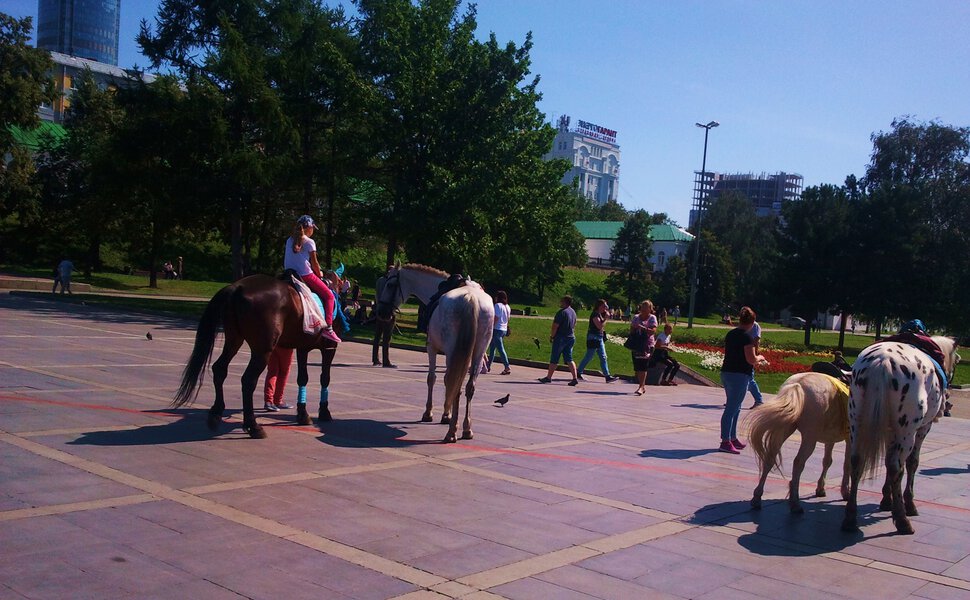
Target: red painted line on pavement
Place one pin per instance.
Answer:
(88, 406)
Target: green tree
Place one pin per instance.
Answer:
(673, 284)
(78, 190)
(612, 211)
(463, 146)
(715, 280)
(25, 83)
(917, 188)
(633, 249)
(749, 240)
(814, 241)
(228, 46)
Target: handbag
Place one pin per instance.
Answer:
(634, 341)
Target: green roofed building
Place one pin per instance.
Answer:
(668, 241)
(34, 138)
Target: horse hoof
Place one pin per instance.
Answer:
(904, 527)
(324, 415)
(426, 418)
(303, 419)
(849, 525)
(445, 421)
(821, 493)
(912, 512)
(796, 509)
(449, 439)
(213, 422)
(886, 504)
(756, 504)
(467, 435)
(256, 432)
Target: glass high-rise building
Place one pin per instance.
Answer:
(83, 28)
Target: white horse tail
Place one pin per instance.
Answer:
(870, 414)
(774, 422)
(467, 321)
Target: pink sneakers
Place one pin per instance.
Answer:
(330, 334)
(729, 448)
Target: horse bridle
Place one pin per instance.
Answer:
(398, 293)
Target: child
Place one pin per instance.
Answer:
(661, 354)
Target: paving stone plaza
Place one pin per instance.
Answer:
(586, 492)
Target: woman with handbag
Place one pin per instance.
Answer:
(595, 341)
(643, 326)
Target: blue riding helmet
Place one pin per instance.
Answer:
(914, 326)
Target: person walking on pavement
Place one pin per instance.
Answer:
(596, 341)
(382, 328)
(62, 275)
(500, 330)
(563, 338)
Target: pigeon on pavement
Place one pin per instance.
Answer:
(501, 401)
(536, 342)
(149, 336)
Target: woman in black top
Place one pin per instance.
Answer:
(740, 358)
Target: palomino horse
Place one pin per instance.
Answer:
(895, 397)
(815, 405)
(461, 329)
(264, 312)
(457, 322)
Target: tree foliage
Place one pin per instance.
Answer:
(25, 83)
(633, 249)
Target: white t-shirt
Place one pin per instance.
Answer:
(663, 339)
(501, 317)
(299, 261)
(755, 332)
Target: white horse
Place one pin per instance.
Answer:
(814, 404)
(461, 329)
(895, 397)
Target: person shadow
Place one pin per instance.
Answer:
(677, 454)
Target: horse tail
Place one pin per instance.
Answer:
(205, 339)
(464, 348)
(774, 422)
(872, 417)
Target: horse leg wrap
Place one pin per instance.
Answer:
(301, 395)
(324, 398)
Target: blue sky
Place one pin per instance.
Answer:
(798, 86)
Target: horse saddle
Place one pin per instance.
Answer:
(925, 344)
(424, 313)
(832, 370)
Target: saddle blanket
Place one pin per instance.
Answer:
(313, 321)
(839, 408)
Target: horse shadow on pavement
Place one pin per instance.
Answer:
(774, 531)
(367, 433)
(188, 426)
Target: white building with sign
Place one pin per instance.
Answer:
(595, 157)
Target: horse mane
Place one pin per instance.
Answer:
(425, 269)
(949, 347)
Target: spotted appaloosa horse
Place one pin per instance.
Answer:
(815, 405)
(895, 397)
(264, 312)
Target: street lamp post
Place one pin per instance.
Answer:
(702, 193)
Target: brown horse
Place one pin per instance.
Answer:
(264, 312)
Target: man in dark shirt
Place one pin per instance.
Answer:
(563, 338)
